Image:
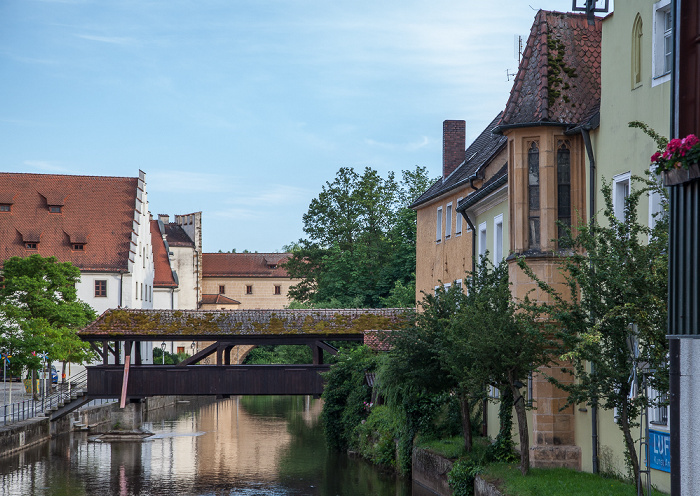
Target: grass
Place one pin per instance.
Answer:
(555, 482)
(451, 447)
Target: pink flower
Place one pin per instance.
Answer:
(655, 157)
(690, 141)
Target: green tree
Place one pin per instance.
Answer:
(495, 341)
(614, 315)
(40, 312)
(360, 240)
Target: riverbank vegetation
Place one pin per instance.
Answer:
(434, 381)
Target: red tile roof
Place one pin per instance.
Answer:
(163, 272)
(244, 264)
(96, 211)
(218, 299)
(558, 80)
(378, 340)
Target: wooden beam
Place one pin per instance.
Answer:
(330, 349)
(199, 356)
(97, 350)
(125, 377)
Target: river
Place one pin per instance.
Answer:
(254, 445)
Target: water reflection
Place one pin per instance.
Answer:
(240, 446)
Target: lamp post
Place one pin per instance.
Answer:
(162, 347)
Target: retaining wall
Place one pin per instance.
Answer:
(430, 470)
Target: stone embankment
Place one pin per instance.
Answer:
(430, 470)
(21, 435)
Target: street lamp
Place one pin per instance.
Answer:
(162, 347)
(192, 346)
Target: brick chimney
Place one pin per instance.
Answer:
(454, 141)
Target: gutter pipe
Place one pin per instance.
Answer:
(591, 205)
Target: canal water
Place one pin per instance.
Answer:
(254, 445)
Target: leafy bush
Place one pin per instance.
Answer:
(345, 395)
(377, 436)
(464, 471)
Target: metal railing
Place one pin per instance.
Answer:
(62, 394)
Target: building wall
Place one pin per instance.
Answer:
(447, 259)
(619, 149)
(489, 216)
(185, 263)
(263, 295)
(166, 298)
(86, 290)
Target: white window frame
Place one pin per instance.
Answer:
(655, 207)
(618, 189)
(497, 244)
(458, 283)
(458, 221)
(448, 220)
(438, 229)
(482, 239)
(659, 36)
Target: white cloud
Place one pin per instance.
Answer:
(115, 40)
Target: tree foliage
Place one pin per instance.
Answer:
(360, 244)
(614, 315)
(40, 312)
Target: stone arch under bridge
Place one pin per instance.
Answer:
(115, 332)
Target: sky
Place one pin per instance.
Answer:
(243, 109)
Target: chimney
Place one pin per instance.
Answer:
(164, 218)
(454, 141)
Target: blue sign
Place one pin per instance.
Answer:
(659, 450)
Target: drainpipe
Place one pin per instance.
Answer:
(121, 288)
(485, 415)
(591, 206)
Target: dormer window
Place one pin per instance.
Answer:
(78, 246)
(30, 246)
(55, 209)
(5, 207)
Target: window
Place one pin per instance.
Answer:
(563, 192)
(482, 239)
(222, 289)
(530, 389)
(31, 246)
(636, 52)
(5, 207)
(458, 283)
(137, 291)
(78, 246)
(494, 392)
(55, 209)
(498, 239)
(448, 221)
(458, 221)
(656, 208)
(658, 413)
(249, 289)
(533, 182)
(621, 190)
(180, 349)
(278, 289)
(662, 46)
(438, 230)
(100, 289)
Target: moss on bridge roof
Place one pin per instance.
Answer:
(144, 323)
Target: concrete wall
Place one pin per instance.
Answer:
(689, 404)
(430, 470)
(21, 435)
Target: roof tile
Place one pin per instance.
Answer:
(244, 264)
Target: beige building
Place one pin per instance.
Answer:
(233, 281)
(444, 238)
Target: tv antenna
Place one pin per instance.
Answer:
(517, 53)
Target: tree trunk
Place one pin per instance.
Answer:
(63, 372)
(519, 404)
(629, 443)
(466, 422)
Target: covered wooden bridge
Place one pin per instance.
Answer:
(122, 375)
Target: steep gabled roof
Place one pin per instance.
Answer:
(244, 264)
(558, 81)
(163, 272)
(477, 155)
(96, 212)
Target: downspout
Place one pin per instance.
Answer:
(484, 408)
(591, 208)
(121, 288)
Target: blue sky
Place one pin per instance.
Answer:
(244, 108)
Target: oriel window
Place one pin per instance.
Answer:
(563, 193)
(533, 190)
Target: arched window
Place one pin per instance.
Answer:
(533, 191)
(637, 52)
(563, 191)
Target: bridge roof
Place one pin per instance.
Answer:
(203, 325)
